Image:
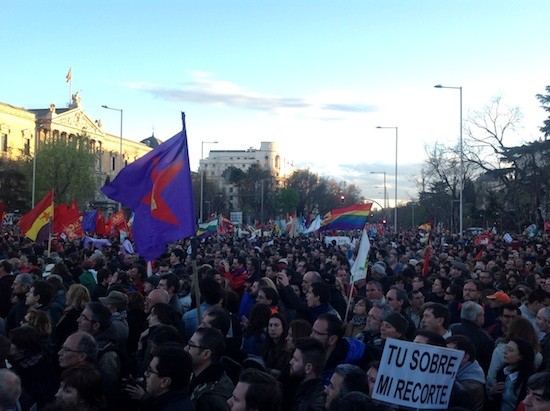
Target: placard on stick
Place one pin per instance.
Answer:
(416, 375)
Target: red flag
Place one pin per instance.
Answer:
(426, 267)
(117, 221)
(69, 75)
(483, 239)
(67, 220)
(36, 224)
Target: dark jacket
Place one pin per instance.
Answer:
(346, 351)
(174, 400)
(137, 323)
(66, 326)
(5, 294)
(99, 291)
(310, 396)
(57, 306)
(16, 314)
(36, 377)
(482, 341)
(211, 389)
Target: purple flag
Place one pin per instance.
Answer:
(157, 188)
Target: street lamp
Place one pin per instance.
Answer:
(385, 192)
(461, 150)
(201, 207)
(120, 161)
(395, 188)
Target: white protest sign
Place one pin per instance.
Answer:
(416, 375)
(340, 240)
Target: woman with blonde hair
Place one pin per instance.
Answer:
(77, 298)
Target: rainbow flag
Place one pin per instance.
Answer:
(347, 218)
(37, 223)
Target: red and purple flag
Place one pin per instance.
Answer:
(157, 188)
(93, 222)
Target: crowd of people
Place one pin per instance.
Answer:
(268, 324)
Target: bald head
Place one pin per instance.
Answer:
(309, 278)
(10, 389)
(155, 297)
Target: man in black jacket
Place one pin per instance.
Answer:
(167, 379)
(307, 363)
(472, 318)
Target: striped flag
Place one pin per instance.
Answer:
(37, 223)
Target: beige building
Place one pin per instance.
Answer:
(20, 128)
(268, 157)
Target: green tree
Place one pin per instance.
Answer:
(545, 104)
(14, 185)
(286, 201)
(67, 166)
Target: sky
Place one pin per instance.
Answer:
(317, 77)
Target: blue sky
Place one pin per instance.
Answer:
(315, 76)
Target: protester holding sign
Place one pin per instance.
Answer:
(415, 375)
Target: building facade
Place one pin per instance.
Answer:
(267, 157)
(22, 129)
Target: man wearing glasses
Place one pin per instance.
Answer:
(167, 379)
(79, 348)
(210, 386)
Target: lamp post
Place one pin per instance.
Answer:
(385, 192)
(120, 161)
(201, 207)
(395, 188)
(461, 151)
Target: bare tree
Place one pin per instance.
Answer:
(486, 133)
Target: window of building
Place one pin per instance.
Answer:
(27, 148)
(4, 143)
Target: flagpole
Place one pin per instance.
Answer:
(49, 242)
(195, 277)
(349, 300)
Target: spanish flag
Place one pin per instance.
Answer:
(37, 223)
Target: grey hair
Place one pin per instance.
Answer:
(385, 307)
(401, 294)
(87, 345)
(315, 277)
(376, 284)
(470, 311)
(25, 279)
(10, 389)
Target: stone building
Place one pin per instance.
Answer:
(267, 157)
(21, 129)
